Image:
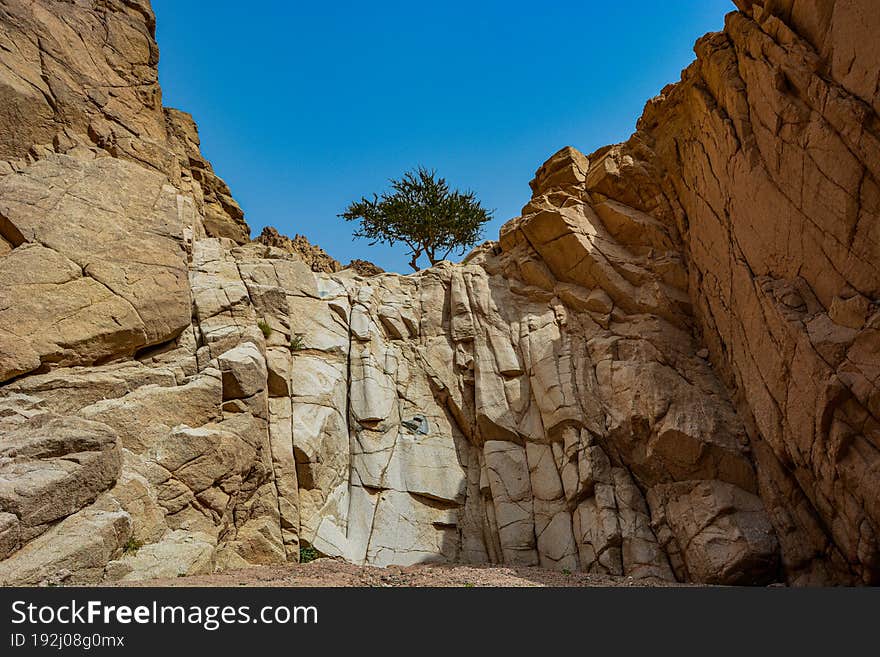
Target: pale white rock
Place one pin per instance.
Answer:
(320, 380)
(320, 326)
(372, 392)
(284, 470)
(407, 532)
(508, 476)
(431, 467)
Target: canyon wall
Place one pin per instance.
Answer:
(765, 159)
(666, 368)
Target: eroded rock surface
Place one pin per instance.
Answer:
(81, 78)
(665, 368)
(314, 256)
(764, 160)
(99, 265)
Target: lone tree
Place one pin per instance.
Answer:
(422, 213)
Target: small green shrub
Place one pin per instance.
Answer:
(132, 545)
(297, 343)
(265, 328)
(307, 553)
(469, 585)
(566, 571)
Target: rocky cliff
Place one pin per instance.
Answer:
(314, 256)
(667, 367)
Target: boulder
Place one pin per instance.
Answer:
(243, 370)
(75, 551)
(99, 270)
(723, 532)
(52, 466)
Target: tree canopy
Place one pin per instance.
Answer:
(421, 212)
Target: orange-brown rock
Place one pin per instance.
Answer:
(764, 163)
(80, 77)
(317, 259)
(314, 256)
(223, 217)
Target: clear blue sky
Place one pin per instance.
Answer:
(305, 106)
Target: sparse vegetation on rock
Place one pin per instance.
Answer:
(132, 545)
(307, 553)
(422, 213)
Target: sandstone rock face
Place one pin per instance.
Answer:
(764, 161)
(460, 414)
(665, 368)
(221, 214)
(81, 78)
(99, 266)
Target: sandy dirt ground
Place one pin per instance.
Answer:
(333, 573)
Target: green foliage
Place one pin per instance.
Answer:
(132, 545)
(307, 553)
(566, 571)
(469, 585)
(296, 342)
(422, 213)
(265, 328)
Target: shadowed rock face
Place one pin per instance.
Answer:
(666, 367)
(765, 161)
